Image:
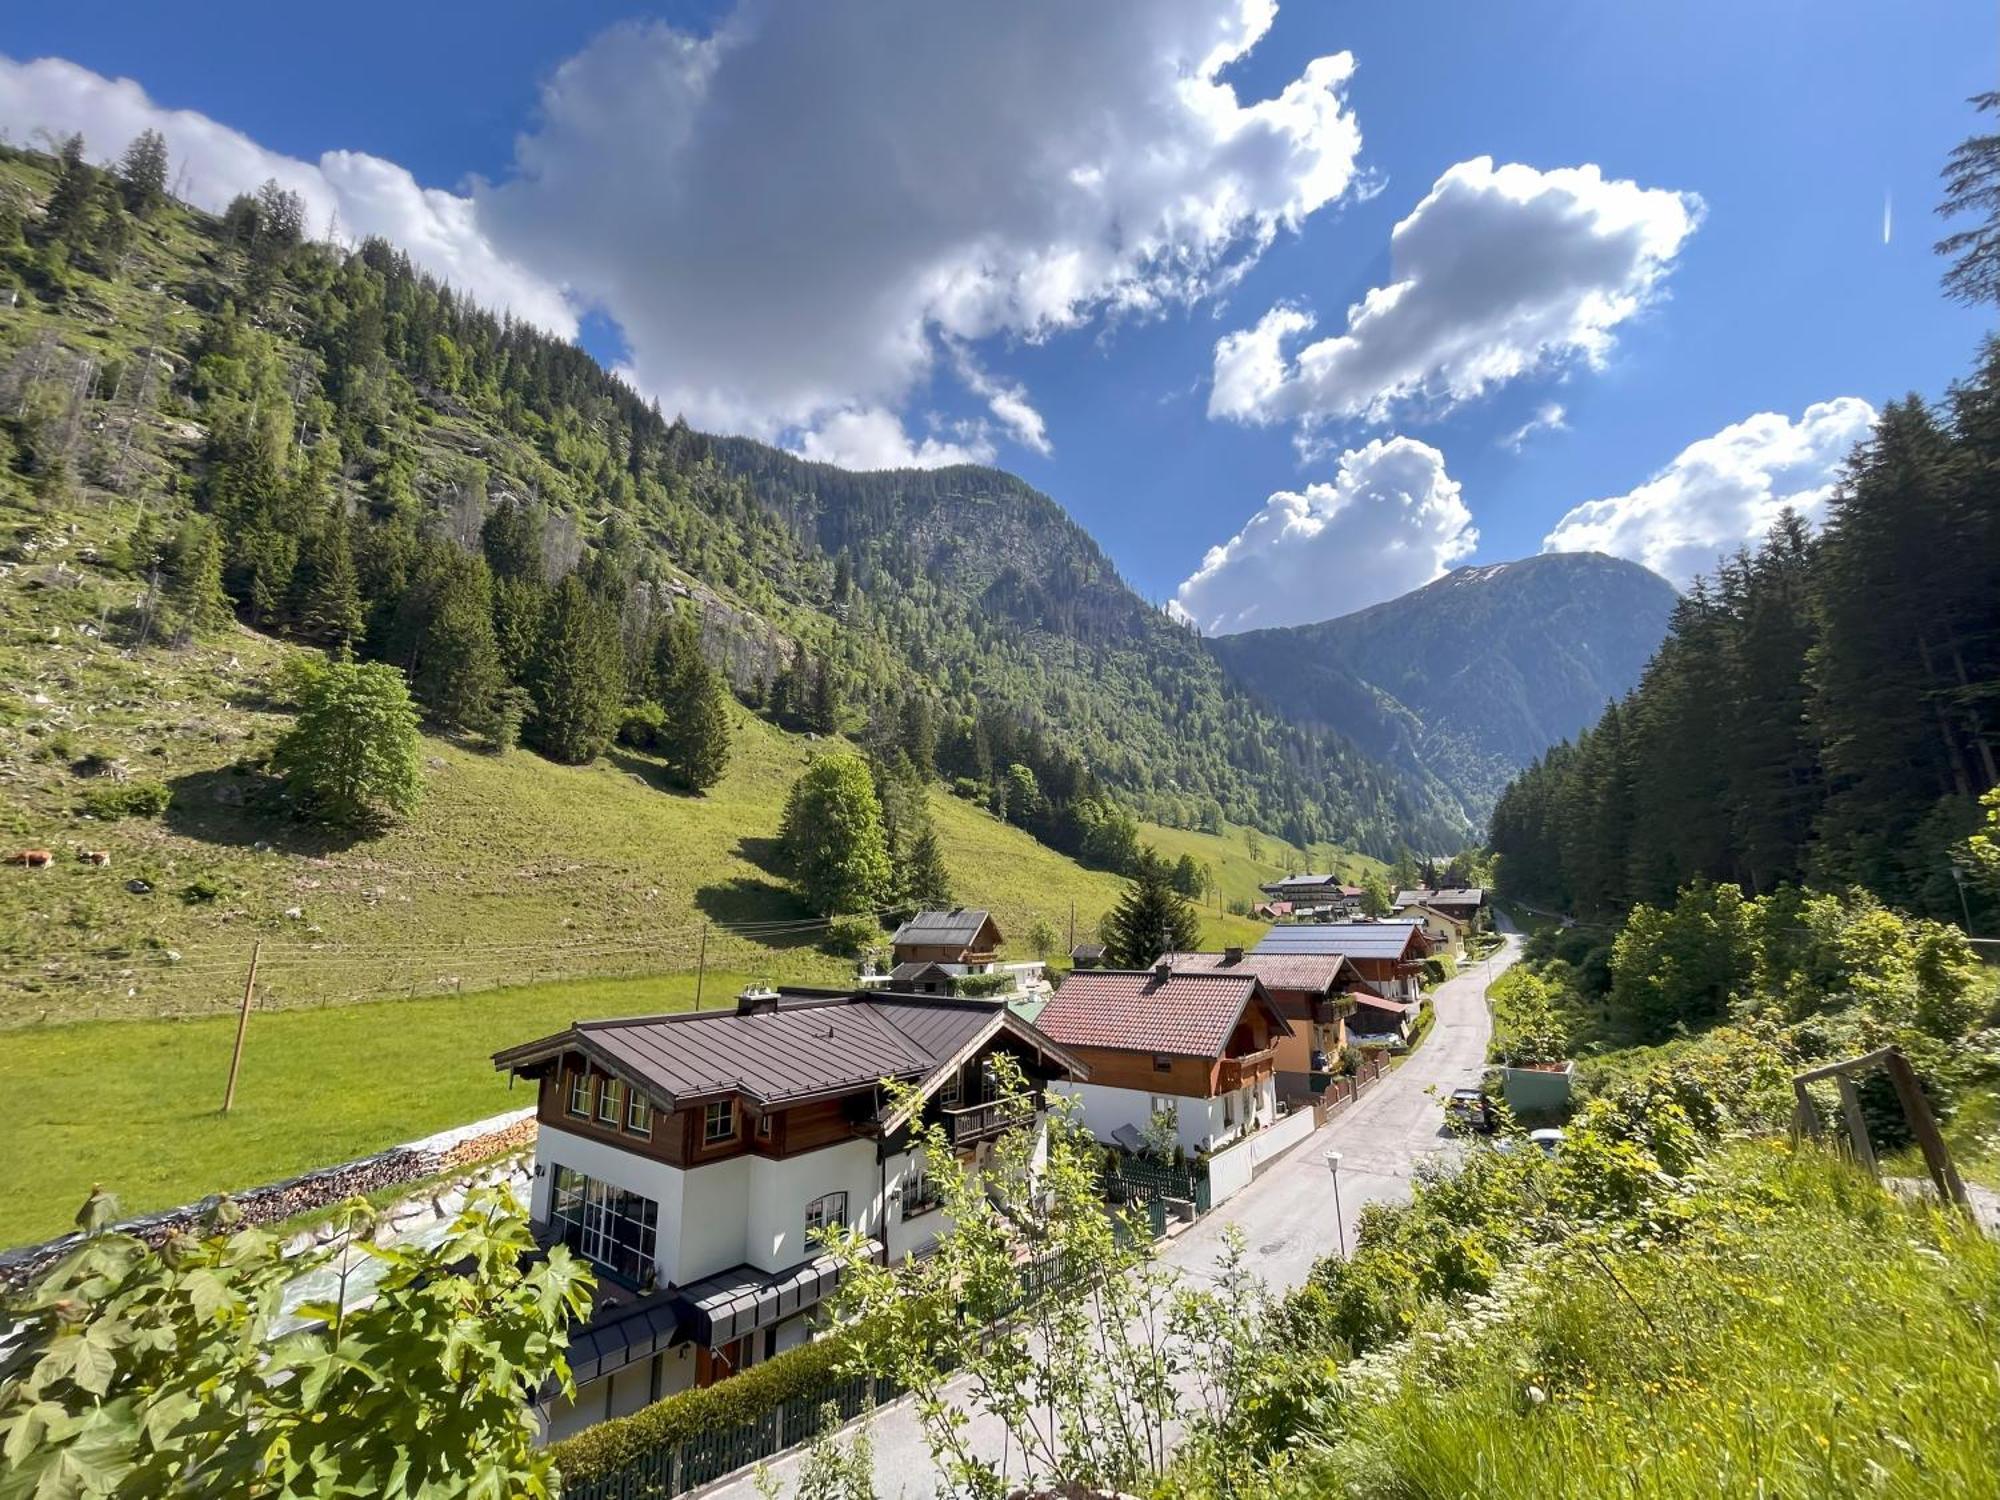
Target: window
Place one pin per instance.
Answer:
(763, 1127)
(920, 1194)
(949, 1092)
(639, 1114)
(605, 1224)
(1162, 1063)
(610, 1100)
(1229, 1108)
(825, 1211)
(579, 1095)
(719, 1122)
(1163, 1104)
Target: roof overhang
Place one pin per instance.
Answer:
(1002, 1022)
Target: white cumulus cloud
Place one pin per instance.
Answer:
(795, 218)
(870, 437)
(363, 194)
(1390, 520)
(1721, 492)
(1499, 272)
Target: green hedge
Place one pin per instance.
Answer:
(667, 1423)
(1438, 968)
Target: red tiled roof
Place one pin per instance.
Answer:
(1185, 1015)
(1313, 972)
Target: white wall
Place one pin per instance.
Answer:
(1105, 1109)
(638, 1174)
(1281, 1137)
(1229, 1172)
(780, 1188)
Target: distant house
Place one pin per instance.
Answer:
(1200, 1047)
(1087, 956)
(690, 1157)
(916, 978)
(1465, 903)
(1315, 896)
(960, 936)
(1446, 932)
(1311, 990)
(1389, 956)
(1379, 1022)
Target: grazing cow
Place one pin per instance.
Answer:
(34, 859)
(94, 856)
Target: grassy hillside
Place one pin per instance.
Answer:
(514, 869)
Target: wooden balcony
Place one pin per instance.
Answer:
(1242, 1072)
(982, 1122)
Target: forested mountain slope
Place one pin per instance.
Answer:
(987, 587)
(1471, 676)
(1822, 711)
(353, 433)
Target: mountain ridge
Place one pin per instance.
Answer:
(1474, 674)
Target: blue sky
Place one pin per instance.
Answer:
(1774, 297)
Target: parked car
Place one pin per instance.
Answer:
(1471, 1108)
(1549, 1139)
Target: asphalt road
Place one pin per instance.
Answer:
(1287, 1215)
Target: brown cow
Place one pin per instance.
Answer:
(34, 859)
(94, 856)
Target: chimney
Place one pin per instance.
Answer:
(1163, 970)
(1232, 955)
(757, 1000)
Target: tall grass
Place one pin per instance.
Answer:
(1787, 1329)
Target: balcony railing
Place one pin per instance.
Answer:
(1242, 1072)
(981, 1122)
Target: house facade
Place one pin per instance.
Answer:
(690, 1157)
(1464, 903)
(1446, 932)
(1315, 897)
(1201, 1047)
(1313, 991)
(965, 936)
(1388, 956)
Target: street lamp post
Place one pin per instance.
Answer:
(1958, 879)
(1339, 1219)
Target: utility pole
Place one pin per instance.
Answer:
(1072, 924)
(701, 966)
(242, 1025)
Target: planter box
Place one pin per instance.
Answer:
(1538, 1090)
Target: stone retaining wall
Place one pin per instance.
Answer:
(275, 1202)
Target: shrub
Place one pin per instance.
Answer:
(200, 890)
(127, 799)
(741, 1399)
(641, 726)
(850, 937)
(979, 986)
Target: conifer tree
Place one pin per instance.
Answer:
(326, 587)
(694, 739)
(927, 884)
(458, 675)
(67, 217)
(574, 677)
(142, 173)
(196, 603)
(1151, 917)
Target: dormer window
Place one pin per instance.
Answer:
(719, 1122)
(610, 1101)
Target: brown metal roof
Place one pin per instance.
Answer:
(958, 928)
(800, 1046)
(1182, 1015)
(1315, 973)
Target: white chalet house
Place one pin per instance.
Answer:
(689, 1157)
